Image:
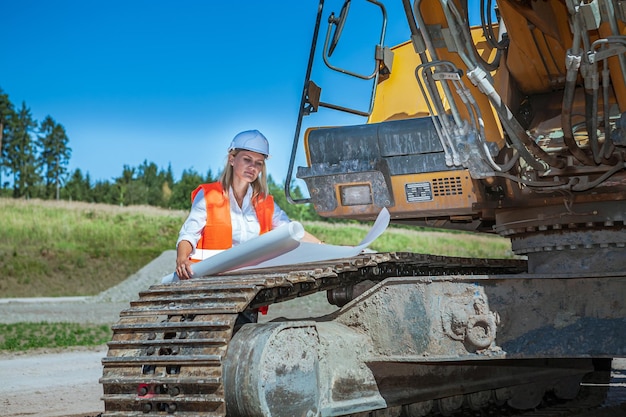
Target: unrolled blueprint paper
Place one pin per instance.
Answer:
(281, 246)
(313, 252)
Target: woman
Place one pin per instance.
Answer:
(232, 210)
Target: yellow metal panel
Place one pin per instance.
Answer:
(399, 95)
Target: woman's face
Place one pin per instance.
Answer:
(247, 165)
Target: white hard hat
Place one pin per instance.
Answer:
(251, 140)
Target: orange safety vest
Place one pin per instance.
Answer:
(218, 230)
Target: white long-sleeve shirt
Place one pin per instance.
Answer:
(245, 223)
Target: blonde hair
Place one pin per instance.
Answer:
(259, 185)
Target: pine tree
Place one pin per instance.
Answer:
(181, 191)
(78, 187)
(152, 181)
(54, 155)
(167, 186)
(127, 194)
(19, 153)
(7, 113)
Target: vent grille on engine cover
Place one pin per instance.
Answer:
(447, 186)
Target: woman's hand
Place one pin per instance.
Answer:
(183, 269)
(183, 264)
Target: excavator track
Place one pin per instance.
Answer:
(166, 353)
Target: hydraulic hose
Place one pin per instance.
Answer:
(591, 111)
(566, 115)
(528, 149)
(522, 142)
(572, 64)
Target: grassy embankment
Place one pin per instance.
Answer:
(51, 249)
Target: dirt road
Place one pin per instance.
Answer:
(51, 384)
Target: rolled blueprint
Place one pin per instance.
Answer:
(281, 246)
(266, 246)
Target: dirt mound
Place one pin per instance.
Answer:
(150, 274)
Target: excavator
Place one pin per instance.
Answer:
(514, 126)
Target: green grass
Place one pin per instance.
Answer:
(51, 249)
(427, 241)
(25, 336)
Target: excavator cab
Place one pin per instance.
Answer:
(419, 164)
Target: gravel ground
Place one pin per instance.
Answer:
(62, 383)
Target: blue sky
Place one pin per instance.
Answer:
(167, 82)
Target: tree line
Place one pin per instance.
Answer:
(35, 156)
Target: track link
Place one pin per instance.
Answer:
(166, 353)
